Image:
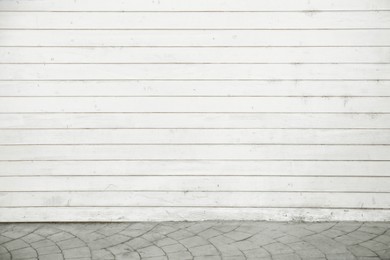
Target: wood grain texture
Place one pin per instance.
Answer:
(195, 199)
(196, 20)
(196, 38)
(195, 183)
(120, 214)
(195, 71)
(196, 136)
(202, 88)
(195, 168)
(194, 152)
(235, 120)
(194, 55)
(202, 5)
(194, 110)
(196, 104)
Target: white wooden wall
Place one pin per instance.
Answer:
(189, 110)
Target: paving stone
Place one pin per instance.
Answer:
(310, 253)
(23, 253)
(31, 238)
(374, 245)
(286, 257)
(77, 252)
(206, 250)
(4, 239)
(60, 236)
(221, 240)
(237, 235)
(48, 250)
(15, 244)
(245, 245)
(199, 227)
(341, 256)
(3, 250)
(278, 248)
(138, 243)
(51, 257)
(257, 252)
(361, 251)
(6, 256)
(209, 233)
(193, 241)
(151, 251)
(183, 255)
(71, 243)
(180, 234)
(165, 242)
(112, 229)
(207, 258)
(42, 243)
(128, 256)
(174, 248)
(385, 239)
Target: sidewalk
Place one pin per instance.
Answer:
(196, 240)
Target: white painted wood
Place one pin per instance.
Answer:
(193, 110)
(196, 104)
(194, 88)
(194, 120)
(120, 214)
(194, 152)
(196, 136)
(194, 199)
(194, 55)
(195, 183)
(196, 168)
(195, 71)
(187, 5)
(214, 38)
(195, 20)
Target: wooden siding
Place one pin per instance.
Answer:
(192, 110)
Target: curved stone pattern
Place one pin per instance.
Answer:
(196, 240)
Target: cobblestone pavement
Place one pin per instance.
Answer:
(196, 240)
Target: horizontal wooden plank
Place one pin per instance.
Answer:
(194, 88)
(194, 152)
(193, 120)
(195, 183)
(203, 5)
(195, 71)
(195, 199)
(195, 104)
(220, 168)
(194, 55)
(195, 38)
(200, 20)
(120, 214)
(195, 136)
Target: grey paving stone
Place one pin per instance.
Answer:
(24, 253)
(174, 248)
(77, 252)
(60, 236)
(15, 244)
(358, 250)
(183, 255)
(31, 238)
(206, 250)
(232, 240)
(193, 241)
(278, 249)
(51, 257)
(150, 251)
(48, 250)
